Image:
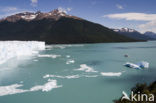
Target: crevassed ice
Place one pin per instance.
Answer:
(10, 49)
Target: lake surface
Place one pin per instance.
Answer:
(77, 71)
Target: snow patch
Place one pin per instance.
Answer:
(29, 17)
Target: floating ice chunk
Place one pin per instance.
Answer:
(88, 76)
(132, 65)
(13, 89)
(10, 49)
(49, 56)
(63, 77)
(51, 84)
(111, 74)
(35, 60)
(68, 56)
(70, 61)
(84, 67)
(62, 46)
(68, 76)
(140, 65)
(143, 64)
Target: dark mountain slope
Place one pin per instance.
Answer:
(58, 29)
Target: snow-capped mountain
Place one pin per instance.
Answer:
(150, 34)
(124, 30)
(28, 16)
(56, 27)
(132, 33)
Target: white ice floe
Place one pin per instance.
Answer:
(14, 88)
(68, 76)
(63, 77)
(49, 55)
(11, 89)
(35, 60)
(140, 65)
(70, 61)
(51, 84)
(84, 67)
(62, 46)
(91, 76)
(68, 56)
(111, 74)
(10, 49)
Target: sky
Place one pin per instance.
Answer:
(134, 14)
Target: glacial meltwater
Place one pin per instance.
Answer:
(80, 73)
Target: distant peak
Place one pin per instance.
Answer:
(125, 30)
(58, 12)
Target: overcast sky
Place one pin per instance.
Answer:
(135, 14)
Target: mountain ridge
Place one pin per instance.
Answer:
(132, 33)
(56, 27)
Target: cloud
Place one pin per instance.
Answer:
(133, 16)
(34, 3)
(119, 6)
(149, 26)
(150, 20)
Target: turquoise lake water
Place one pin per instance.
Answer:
(62, 63)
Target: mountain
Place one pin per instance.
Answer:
(132, 34)
(56, 27)
(150, 34)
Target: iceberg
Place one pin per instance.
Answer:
(10, 49)
(140, 65)
(143, 64)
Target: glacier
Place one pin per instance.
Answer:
(11, 49)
